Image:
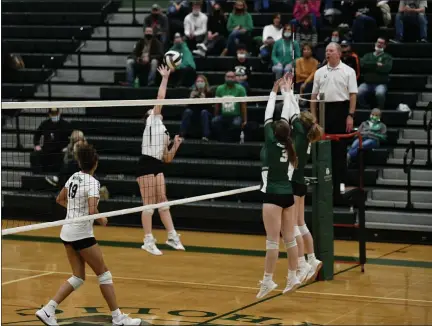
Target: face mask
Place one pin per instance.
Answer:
(374, 118)
(379, 50)
(238, 9)
(155, 15)
(229, 82)
(196, 12)
(55, 118)
(335, 39)
(287, 34)
(200, 85)
(241, 55)
(148, 36)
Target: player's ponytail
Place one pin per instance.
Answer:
(315, 132)
(292, 156)
(282, 132)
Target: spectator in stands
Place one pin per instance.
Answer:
(305, 70)
(335, 37)
(376, 67)
(50, 141)
(413, 11)
(158, 22)
(229, 116)
(195, 26)
(201, 89)
(271, 34)
(177, 11)
(184, 75)
(242, 67)
(285, 52)
(373, 131)
(258, 4)
(240, 26)
(145, 58)
(306, 32)
(304, 8)
(350, 58)
(216, 32)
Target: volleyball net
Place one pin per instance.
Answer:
(211, 184)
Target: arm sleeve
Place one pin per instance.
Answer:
(266, 33)
(203, 29)
(187, 26)
(290, 108)
(352, 82)
(230, 23)
(274, 57)
(94, 188)
(249, 23)
(387, 66)
(297, 53)
(315, 89)
(268, 116)
(38, 134)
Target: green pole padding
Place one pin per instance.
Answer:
(322, 207)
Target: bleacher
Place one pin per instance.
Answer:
(199, 168)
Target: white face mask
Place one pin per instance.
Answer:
(55, 118)
(287, 34)
(335, 39)
(379, 50)
(196, 12)
(241, 55)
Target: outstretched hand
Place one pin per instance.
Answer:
(164, 71)
(277, 84)
(288, 77)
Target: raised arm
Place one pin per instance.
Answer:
(268, 116)
(290, 108)
(164, 72)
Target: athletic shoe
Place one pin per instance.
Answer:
(125, 320)
(316, 267)
(303, 271)
(175, 243)
(292, 285)
(150, 246)
(266, 288)
(47, 319)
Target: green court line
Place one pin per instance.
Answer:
(222, 251)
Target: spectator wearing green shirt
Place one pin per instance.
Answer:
(240, 26)
(285, 52)
(184, 75)
(229, 117)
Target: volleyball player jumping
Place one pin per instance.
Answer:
(80, 196)
(279, 160)
(305, 132)
(156, 151)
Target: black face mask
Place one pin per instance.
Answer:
(148, 36)
(155, 15)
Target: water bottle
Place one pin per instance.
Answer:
(136, 83)
(242, 137)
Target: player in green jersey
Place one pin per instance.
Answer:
(279, 160)
(305, 132)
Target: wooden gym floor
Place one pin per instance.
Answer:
(214, 283)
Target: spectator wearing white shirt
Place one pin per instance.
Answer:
(337, 83)
(271, 34)
(195, 26)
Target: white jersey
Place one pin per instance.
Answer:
(155, 137)
(80, 187)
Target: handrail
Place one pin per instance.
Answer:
(428, 127)
(407, 170)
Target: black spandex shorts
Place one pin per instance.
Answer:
(283, 201)
(299, 190)
(81, 244)
(149, 165)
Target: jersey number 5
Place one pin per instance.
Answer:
(72, 190)
(284, 156)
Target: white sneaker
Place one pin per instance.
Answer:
(316, 267)
(175, 243)
(47, 319)
(150, 246)
(124, 320)
(342, 188)
(266, 288)
(292, 285)
(303, 271)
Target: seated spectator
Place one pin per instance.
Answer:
(144, 60)
(242, 67)
(271, 34)
(305, 70)
(240, 26)
(195, 26)
(376, 67)
(373, 131)
(50, 141)
(350, 58)
(335, 37)
(177, 12)
(158, 22)
(184, 75)
(304, 8)
(413, 11)
(201, 89)
(216, 33)
(285, 52)
(306, 32)
(229, 117)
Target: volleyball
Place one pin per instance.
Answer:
(173, 59)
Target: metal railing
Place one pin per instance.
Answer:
(427, 125)
(407, 169)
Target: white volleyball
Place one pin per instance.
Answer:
(173, 59)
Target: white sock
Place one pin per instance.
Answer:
(172, 234)
(148, 236)
(291, 274)
(268, 276)
(116, 313)
(301, 261)
(51, 306)
(311, 256)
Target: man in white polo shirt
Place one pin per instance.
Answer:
(338, 84)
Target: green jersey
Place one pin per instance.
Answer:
(302, 147)
(276, 168)
(230, 109)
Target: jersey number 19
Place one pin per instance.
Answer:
(72, 190)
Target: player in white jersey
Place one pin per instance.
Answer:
(156, 151)
(80, 196)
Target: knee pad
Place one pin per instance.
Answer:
(303, 229)
(149, 211)
(290, 244)
(163, 209)
(272, 245)
(75, 282)
(105, 278)
(297, 232)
